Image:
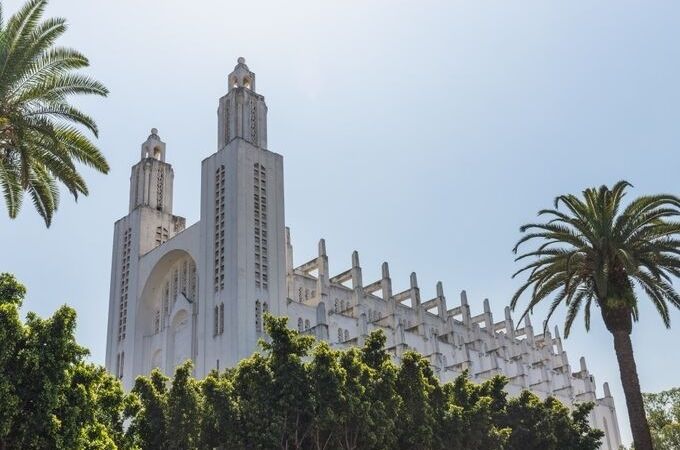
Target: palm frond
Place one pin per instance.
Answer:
(43, 134)
(596, 249)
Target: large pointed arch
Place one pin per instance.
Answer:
(165, 322)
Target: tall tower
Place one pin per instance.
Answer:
(242, 225)
(149, 223)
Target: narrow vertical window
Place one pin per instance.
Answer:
(258, 316)
(159, 190)
(260, 225)
(220, 184)
(124, 281)
(221, 318)
(300, 324)
(120, 361)
(216, 319)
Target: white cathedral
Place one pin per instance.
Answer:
(199, 292)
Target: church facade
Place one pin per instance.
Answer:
(200, 292)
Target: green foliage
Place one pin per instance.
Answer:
(184, 409)
(598, 251)
(40, 138)
(219, 416)
(49, 397)
(295, 393)
(548, 425)
(148, 410)
(11, 291)
(415, 419)
(663, 414)
(302, 395)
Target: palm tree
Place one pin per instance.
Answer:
(596, 252)
(40, 138)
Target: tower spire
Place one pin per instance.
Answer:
(242, 112)
(152, 178)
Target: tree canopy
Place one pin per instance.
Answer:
(663, 414)
(41, 132)
(599, 253)
(295, 393)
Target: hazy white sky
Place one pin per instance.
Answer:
(420, 133)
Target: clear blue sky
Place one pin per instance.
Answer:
(420, 133)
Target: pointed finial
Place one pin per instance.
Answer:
(355, 258)
(414, 280)
(463, 298)
(154, 134)
(241, 60)
(385, 270)
(487, 307)
(546, 331)
(582, 362)
(322, 247)
(440, 289)
(607, 392)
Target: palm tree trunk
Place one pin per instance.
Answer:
(631, 389)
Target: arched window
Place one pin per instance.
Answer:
(340, 335)
(300, 324)
(258, 316)
(300, 295)
(306, 294)
(307, 325)
(265, 307)
(346, 335)
(337, 305)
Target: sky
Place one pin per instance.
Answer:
(419, 133)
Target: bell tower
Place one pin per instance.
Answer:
(242, 113)
(152, 178)
(242, 219)
(148, 224)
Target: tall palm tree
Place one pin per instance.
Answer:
(40, 132)
(595, 252)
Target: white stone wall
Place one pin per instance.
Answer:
(452, 339)
(216, 318)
